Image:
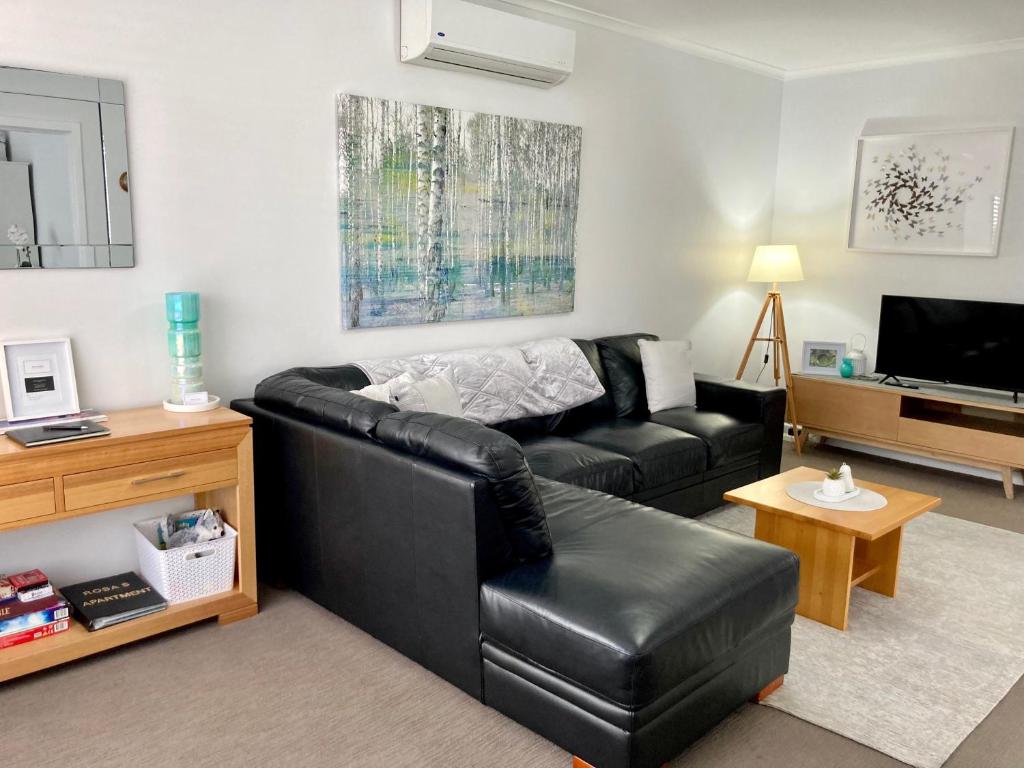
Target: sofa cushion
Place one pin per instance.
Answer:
(728, 439)
(620, 356)
(558, 458)
(483, 451)
(434, 394)
(635, 601)
(659, 454)
(531, 426)
(668, 374)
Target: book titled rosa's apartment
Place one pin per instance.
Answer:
(104, 602)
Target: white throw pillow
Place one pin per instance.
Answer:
(668, 373)
(436, 394)
(379, 392)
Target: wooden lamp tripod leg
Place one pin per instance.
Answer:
(776, 342)
(780, 325)
(754, 337)
(780, 349)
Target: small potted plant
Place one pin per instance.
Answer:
(833, 484)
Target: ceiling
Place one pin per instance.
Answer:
(799, 37)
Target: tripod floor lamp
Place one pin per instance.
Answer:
(775, 264)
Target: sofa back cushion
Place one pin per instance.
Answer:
(322, 396)
(531, 426)
(485, 452)
(596, 410)
(620, 356)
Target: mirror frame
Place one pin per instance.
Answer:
(118, 250)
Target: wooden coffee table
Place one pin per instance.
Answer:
(838, 550)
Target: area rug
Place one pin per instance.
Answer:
(914, 675)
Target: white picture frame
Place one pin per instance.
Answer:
(940, 193)
(823, 358)
(38, 379)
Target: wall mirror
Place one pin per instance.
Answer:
(64, 199)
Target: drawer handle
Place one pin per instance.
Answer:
(154, 478)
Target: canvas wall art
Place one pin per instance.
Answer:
(935, 193)
(450, 215)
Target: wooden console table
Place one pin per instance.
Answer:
(976, 429)
(150, 454)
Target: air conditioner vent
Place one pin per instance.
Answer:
(454, 34)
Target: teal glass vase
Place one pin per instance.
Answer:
(185, 345)
(846, 368)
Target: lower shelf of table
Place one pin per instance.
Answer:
(863, 569)
(79, 642)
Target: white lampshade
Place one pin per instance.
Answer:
(775, 264)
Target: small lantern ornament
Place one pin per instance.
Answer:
(858, 360)
(185, 345)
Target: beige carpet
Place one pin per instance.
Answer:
(298, 686)
(914, 675)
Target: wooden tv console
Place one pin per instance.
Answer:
(970, 427)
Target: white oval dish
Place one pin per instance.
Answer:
(820, 495)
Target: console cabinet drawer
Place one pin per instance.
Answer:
(134, 481)
(23, 501)
(993, 446)
(846, 408)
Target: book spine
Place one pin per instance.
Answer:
(32, 594)
(14, 608)
(33, 578)
(37, 633)
(33, 620)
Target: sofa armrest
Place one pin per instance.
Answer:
(471, 447)
(742, 400)
(754, 403)
(396, 545)
(301, 392)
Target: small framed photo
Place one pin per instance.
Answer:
(38, 379)
(824, 357)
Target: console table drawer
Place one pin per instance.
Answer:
(840, 407)
(993, 446)
(134, 481)
(26, 500)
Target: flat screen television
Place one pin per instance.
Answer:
(974, 343)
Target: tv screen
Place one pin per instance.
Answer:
(975, 343)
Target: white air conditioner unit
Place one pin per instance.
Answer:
(458, 35)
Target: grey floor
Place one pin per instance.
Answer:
(298, 686)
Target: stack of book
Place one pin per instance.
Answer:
(30, 608)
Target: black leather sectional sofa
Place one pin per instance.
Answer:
(517, 563)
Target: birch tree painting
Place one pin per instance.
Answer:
(449, 215)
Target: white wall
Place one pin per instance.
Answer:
(232, 147)
(821, 120)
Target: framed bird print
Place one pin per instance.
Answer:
(939, 193)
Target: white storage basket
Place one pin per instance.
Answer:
(188, 572)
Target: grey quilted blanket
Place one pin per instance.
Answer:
(498, 384)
